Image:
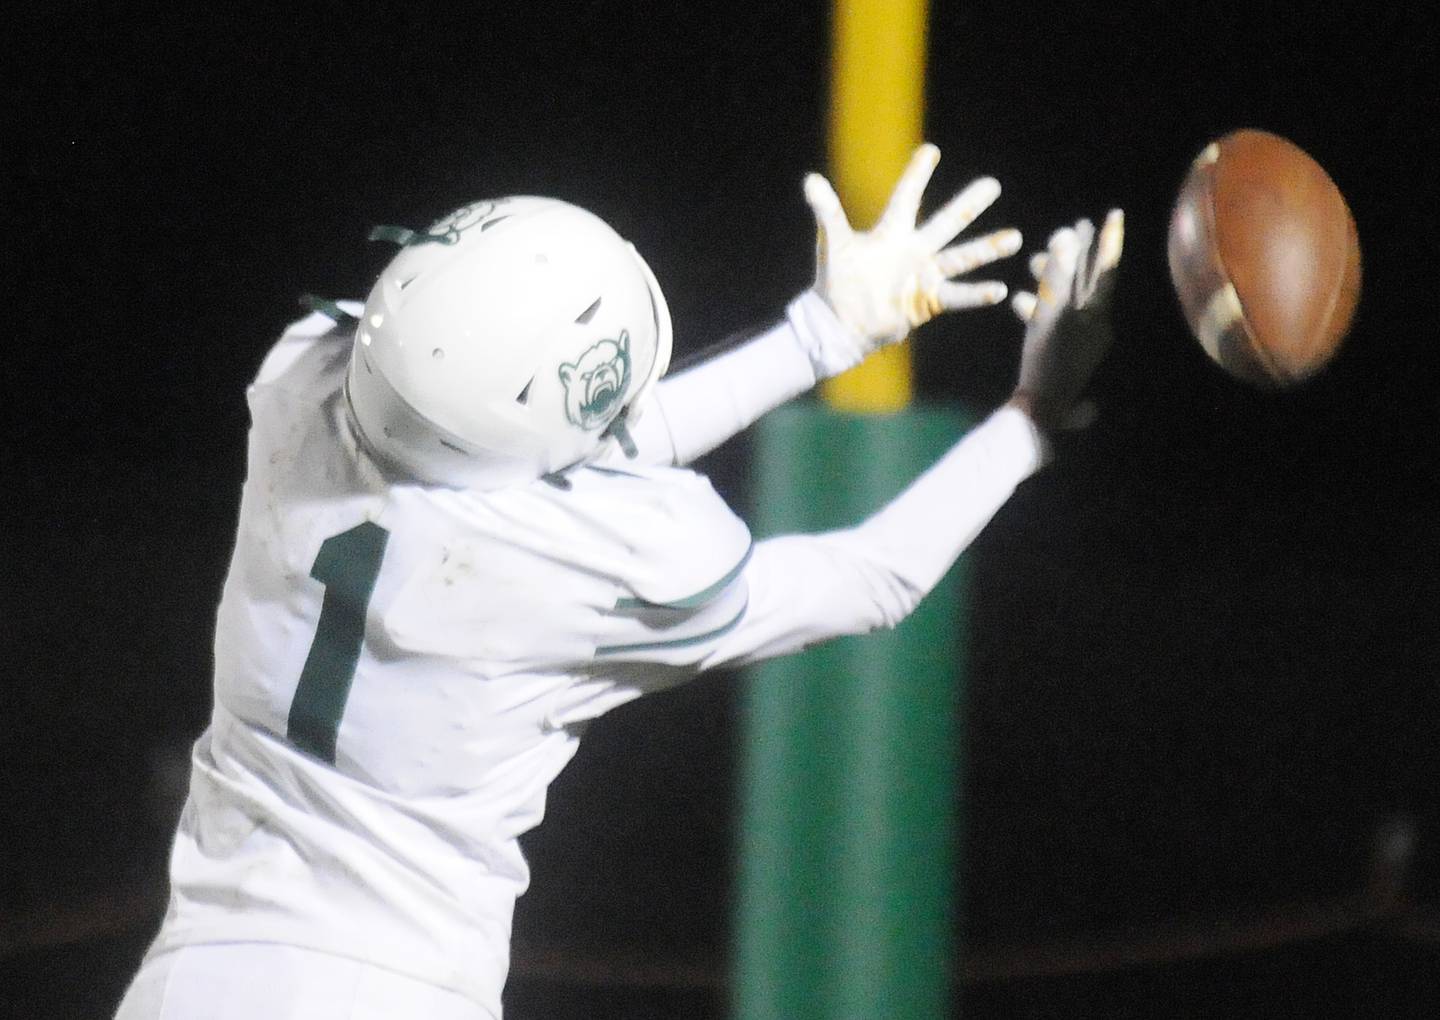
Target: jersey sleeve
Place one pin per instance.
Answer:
(296, 339)
(799, 590)
(555, 578)
(682, 582)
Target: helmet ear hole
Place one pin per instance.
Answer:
(584, 317)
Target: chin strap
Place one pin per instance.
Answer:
(621, 433)
(314, 303)
(404, 237)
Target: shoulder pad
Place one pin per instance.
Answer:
(296, 339)
(684, 544)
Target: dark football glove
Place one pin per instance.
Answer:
(1067, 321)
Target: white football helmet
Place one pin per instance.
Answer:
(502, 344)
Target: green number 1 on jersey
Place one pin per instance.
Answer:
(347, 565)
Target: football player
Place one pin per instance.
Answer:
(466, 529)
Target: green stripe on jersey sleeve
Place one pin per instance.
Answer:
(682, 642)
(697, 600)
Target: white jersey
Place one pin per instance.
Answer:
(402, 670)
(399, 671)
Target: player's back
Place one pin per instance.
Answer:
(365, 621)
(357, 790)
(399, 673)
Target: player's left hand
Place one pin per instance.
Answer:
(884, 282)
(1067, 321)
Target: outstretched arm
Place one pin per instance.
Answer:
(871, 289)
(797, 590)
(808, 588)
(805, 589)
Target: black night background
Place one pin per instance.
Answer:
(1202, 701)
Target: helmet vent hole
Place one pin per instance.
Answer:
(408, 281)
(490, 223)
(524, 397)
(589, 313)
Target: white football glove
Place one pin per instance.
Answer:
(1067, 321)
(884, 282)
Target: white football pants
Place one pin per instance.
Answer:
(263, 981)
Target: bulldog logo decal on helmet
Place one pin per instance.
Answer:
(596, 382)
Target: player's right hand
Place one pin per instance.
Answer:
(885, 281)
(1067, 320)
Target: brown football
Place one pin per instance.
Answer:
(1265, 258)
